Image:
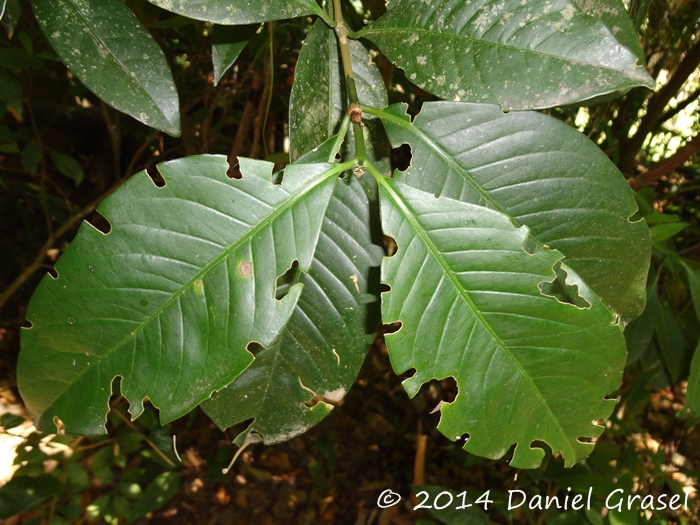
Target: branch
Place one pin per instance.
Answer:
(656, 105)
(666, 166)
(680, 107)
(354, 110)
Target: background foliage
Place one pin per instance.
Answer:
(62, 150)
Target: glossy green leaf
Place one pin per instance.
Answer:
(541, 173)
(227, 44)
(237, 12)
(322, 348)
(158, 493)
(106, 47)
(520, 54)
(318, 101)
(692, 396)
(171, 297)
(67, 165)
(479, 316)
(12, 10)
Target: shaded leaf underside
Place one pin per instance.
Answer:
(527, 366)
(171, 297)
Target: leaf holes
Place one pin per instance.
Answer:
(277, 178)
(254, 348)
(401, 157)
(563, 292)
(586, 439)
(60, 427)
(390, 246)
(99, 222)
(287, 280)
(234, 168)
(52, 272)
(392, 328)
(156, 176)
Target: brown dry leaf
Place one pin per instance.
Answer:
(221, 497)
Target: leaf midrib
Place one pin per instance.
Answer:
(450, 161)
(446, 268)
(337, 168)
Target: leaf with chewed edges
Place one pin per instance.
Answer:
(541, 173)
(520, 54)
(321, 350)
(170, 298)
(236, 12)
(528, 367)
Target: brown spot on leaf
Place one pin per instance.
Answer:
(246, 268)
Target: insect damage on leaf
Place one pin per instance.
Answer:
(479, 315)
(162, 300)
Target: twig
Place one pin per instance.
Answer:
(666, 166)
(354, 109)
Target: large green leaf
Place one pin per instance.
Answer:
(521, 54)
(527, 366)
(171, 297)
(235, 12)
(106, 47)
(541, 173)
(322, 348)
(318, 101)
